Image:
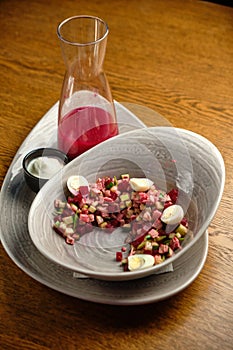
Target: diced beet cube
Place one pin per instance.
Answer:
(154, 233)
(114, 195)
(175, 243)
(167, 204)
(123, 185)
(84, 217)
(157, 224)
(184, 222)
(108, 199)
(58, 230)
(143, 197)
(147, 251)
(156, 214)
(162, 232)
(76, 199)
(107, 193)
(173, 194)
(119, 256)
(163, 248)
(115, 223)
(125, 267)
(138, 240)
(84, 190)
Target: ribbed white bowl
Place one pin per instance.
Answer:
(170, 157)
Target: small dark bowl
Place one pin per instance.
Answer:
(36, 182)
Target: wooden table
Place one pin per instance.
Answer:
(175, 57)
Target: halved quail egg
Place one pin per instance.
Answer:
(140, 184)
(140, 261)
(172, 215)
(75, 182)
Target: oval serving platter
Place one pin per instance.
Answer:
(15, 203)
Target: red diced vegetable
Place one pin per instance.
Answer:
(84, 217)
(114, 195)
(163, 248)
(123, 185)
(84, 190)
(184, 222)
(154, 233)
(108, 199)
(173, 194)
(167, 204)
(58, 230)
(157, 224)
(137, 241)
(156, 214)
(175, 243)
(119, 256)
(143, 197)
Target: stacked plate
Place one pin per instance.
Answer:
(170, 157)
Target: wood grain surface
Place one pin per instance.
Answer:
(175, 57)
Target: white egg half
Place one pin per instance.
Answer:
(140, 261)
(173, 214)
(75, 182)
(140, 184)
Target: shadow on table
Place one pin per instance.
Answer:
(221, 2)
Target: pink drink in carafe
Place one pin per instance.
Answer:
(86, 114)
(83, 128)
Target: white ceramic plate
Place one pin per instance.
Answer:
(15, 203)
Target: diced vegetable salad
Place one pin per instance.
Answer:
(155, 222)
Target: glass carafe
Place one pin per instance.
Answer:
(86, 109)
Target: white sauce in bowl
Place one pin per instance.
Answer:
(45, 167)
